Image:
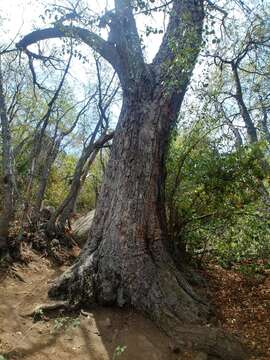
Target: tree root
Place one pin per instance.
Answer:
(214, 342)
(168, 301)
(15, 274)
(42, 309)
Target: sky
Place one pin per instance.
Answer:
(20, 17)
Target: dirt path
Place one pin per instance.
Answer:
(95, 336)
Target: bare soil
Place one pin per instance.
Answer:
(94, 335)
(242, 306)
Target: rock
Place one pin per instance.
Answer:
(81, 227)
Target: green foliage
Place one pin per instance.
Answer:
(38, 315)
(118, 351)
(65, 322)
(214, 203)
(60, 180)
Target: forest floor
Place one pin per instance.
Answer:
(241, 302)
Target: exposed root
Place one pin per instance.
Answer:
(42, 309)
(167, 298)
(76, 285)
(215, 342)
(15, 274)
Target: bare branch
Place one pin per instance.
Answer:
(104, 48)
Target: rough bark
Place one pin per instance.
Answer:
(125, 261)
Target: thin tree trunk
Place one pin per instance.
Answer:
(8, 181)
(250, 127)
(76, 186)
(87, 158)
(39, 138)
(236, 133)
(46, 169)
(264, 122)
(251, 132)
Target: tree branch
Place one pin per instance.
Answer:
(104, 48)
(184, 29)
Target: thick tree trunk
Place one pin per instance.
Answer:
(125, 261)
(126, 246)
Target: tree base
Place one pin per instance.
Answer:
(168, 300)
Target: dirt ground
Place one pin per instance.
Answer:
(96, 335)
(242, 304)
(106, 333)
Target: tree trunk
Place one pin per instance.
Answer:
(264, 121)
(65, 209)
(8, 181)
(76, 186)
(125, 261)
(126, 245)
(249, 125)
(45, 173)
